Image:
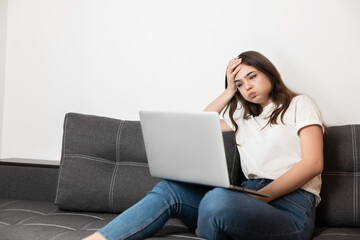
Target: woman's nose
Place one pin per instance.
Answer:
(248, 86)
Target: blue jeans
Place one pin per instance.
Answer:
(218, 213)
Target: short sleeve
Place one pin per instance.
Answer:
(307, 113)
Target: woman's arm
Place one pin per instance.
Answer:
(220, 102)
(311, 165)
(218, 105)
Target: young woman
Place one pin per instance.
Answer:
(280, 139)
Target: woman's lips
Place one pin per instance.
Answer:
(252, 95)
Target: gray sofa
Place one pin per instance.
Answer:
(103, 171)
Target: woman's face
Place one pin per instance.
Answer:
(253, 85)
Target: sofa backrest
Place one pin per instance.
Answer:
(340, 193)
(104, 167)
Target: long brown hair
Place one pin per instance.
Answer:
(280, 94)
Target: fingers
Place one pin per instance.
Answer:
(234, 63)
(234, 66)
(237, 69)
(235, 60)
(231, 71)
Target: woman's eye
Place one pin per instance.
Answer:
(253, 76)
(239, 85)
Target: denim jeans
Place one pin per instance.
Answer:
(218, 213)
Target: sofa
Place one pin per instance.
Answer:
(103, 171)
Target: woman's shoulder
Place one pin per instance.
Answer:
(304, 105)
(306, 112)
(302, 99)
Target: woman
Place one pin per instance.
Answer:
(280, 139)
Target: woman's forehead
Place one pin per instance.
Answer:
(244, 71)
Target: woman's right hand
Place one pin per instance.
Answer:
(220, 102)
(231, 71)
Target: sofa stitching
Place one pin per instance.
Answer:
(180, 236)
(22, 221)
(62, 157)
(88, 224)
(355, 170)
(170, 224)
(76, 214)
(7, 203)
(176, 225)
(111, 192)
(118, 138)
(339, 234)
(112, 183)
(354, 179)
(21, 210)
(139, 164)
(49, 225)
(52, 211)
(90, 158)
(136, 164)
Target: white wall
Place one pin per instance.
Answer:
(113, 58)
(3, 8)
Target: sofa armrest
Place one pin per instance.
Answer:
(28, 179)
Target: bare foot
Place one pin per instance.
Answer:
(95, 236)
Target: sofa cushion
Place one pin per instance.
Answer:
(340, 193)
(104, 166)
(43, 221)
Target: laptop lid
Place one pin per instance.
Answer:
(185, 147)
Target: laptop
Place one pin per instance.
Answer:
(187, 147)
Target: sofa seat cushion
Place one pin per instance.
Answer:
(20, 219)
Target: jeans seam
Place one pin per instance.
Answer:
(307, 197)
(304, 210)
(146, 224)
(104, 234)
(176, 201)
(307, 213)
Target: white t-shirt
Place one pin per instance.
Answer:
(271, 152)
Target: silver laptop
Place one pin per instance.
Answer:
(187, 147)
